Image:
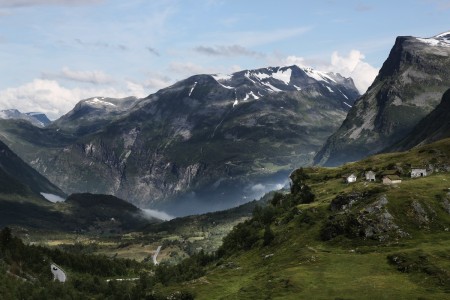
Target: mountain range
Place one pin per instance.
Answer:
(211, 142)
(206, 142)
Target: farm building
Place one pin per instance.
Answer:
(370, 176)
(416, 172)
(390, 172)
(349, 178)
(391, 179)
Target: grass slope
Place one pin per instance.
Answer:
(366, 254)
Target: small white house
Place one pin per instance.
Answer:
(58, 273)
(416, 172)
(349, 178)
(391, 179)
(370, 176)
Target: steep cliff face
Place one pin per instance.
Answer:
(407, 88)
(433, 127)
(16, 177)
(220, 138)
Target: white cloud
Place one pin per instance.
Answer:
(354, 66)
(94, 77)
(294, 60)
(49, 97)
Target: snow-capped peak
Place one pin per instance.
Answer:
(442, 39)
(318, 75)
(444, 34)
(98, 102)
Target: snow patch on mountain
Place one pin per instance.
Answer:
(98, 102)
(248, 74)
(261, 76)
(253, 95)
(317, 75)
(442, 40)
(284, 76)
(192, 89)
(271, 87)
(222, 77)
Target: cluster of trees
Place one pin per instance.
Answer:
(25, 274)
(257, 231)
(190, 268)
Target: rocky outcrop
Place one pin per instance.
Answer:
(368, 221)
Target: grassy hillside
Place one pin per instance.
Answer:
(326, 239)
(354, 241)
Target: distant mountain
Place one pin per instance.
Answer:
(92, 114)
(205, 143)
(407, 88)
(41, 117)
(433, 127)
(35, 118)
(26, 196)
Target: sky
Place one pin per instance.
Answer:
(54, 53)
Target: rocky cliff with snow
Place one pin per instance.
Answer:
(409, 86)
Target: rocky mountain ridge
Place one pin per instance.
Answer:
(221, 139)
(407, 88)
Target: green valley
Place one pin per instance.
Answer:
(326, 239)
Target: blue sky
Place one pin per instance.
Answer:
(54, 53)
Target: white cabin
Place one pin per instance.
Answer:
(349, 178)
(418, 173)
(370, 176)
